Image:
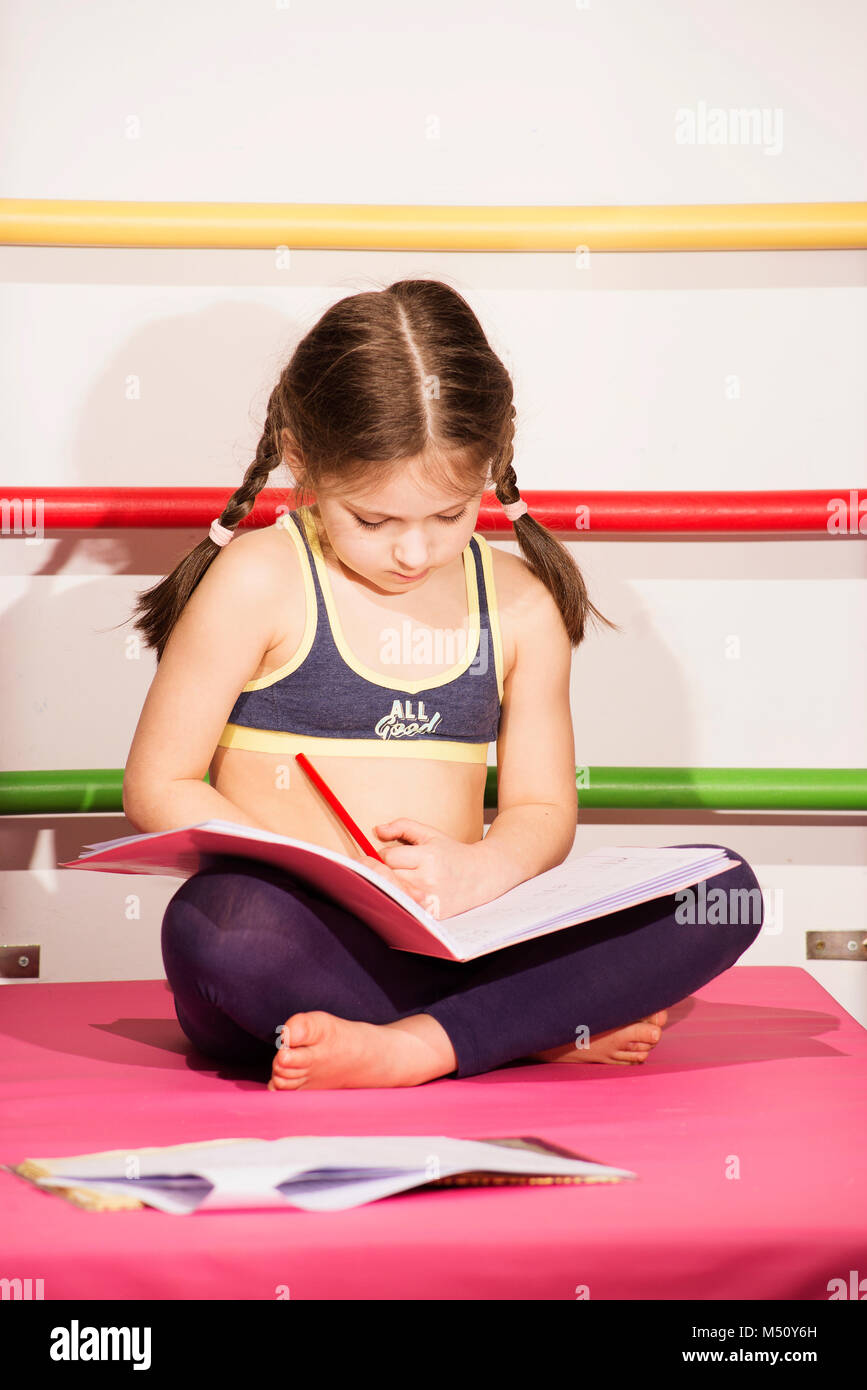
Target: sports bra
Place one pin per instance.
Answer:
(324, 700)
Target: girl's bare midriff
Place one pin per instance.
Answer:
(271, 787)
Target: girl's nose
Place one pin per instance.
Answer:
(411, 559)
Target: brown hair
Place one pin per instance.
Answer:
(382, 377)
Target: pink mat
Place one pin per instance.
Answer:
(761, 1069)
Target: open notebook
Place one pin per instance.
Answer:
(582, 888)
(313, 1172)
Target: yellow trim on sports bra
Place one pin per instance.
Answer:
(378, 677)
(276, 741)
(493, 609)
(286, 669)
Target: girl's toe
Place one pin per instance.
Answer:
(279, 1083)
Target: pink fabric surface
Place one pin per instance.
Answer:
(761, 1069)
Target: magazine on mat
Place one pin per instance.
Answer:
(314, 1172)
(584, 887)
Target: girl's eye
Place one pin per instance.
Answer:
(375, 525)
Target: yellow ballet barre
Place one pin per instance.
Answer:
(398, 227)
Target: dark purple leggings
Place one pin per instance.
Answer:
(246, 945)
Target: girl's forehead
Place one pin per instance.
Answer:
(413, 494)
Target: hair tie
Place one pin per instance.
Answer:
(220, 535)
(515, 509)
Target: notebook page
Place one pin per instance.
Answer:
(594, 883)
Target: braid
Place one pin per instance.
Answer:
(268, 456)
(505, 477)
(157, 609)
(542, 551)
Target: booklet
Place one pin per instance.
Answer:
(314, 1172)
(584, 887)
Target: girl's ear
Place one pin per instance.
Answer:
(289, 451)
(292, 459)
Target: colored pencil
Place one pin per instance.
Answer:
(318, 782)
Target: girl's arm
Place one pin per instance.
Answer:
(181, 802)
(537, 800)
(219, 640)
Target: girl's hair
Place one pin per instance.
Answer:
(383, 377)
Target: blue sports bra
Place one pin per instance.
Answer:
(325, 701)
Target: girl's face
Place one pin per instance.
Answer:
(409, 526)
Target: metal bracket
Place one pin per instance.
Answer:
(836, 945)
(19, 962)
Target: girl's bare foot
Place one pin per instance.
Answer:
(323, 1052)
(618, 1046)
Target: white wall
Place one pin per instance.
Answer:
(666, 370)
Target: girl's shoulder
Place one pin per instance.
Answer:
(268, 553)
(271, 546)
(518, 593)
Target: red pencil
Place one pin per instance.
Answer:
(344, 815)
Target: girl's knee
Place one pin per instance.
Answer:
(183, 936)
(745, 904)
(228, 900)
(206, 913)
(225, 927)
(732, 904)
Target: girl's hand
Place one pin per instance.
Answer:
(385, 872)
(444, 875)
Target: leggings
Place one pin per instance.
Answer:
(246, 945)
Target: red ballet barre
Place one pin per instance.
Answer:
(832, 512)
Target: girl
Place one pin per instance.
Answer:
(376, 631)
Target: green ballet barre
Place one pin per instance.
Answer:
(89, 791)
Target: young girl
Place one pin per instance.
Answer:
(377, 632)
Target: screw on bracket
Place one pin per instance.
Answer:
(836, 945)
(19, 962)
